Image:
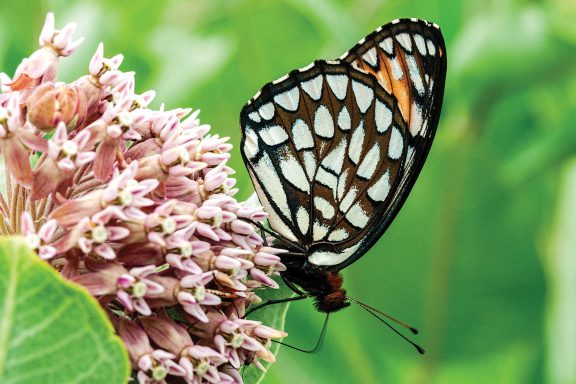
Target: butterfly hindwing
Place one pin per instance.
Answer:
(333, 153)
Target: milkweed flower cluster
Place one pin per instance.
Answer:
(137, 205)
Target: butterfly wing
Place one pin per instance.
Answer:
(408, 58)
(329, 150)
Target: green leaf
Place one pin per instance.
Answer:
(273, 316)
(51, 330)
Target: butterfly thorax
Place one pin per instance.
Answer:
(324, 286)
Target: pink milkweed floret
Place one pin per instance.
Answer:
(137, 205)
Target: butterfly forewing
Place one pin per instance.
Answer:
(408, 57)
(333, 149)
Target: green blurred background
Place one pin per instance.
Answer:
(482, 258)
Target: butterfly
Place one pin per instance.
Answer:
(333, 150)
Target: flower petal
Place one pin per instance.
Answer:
(16, 158)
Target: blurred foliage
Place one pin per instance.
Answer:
(482, 257)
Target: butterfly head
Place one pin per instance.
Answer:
(333, 298)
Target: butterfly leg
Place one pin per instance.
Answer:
(278, 301)
(289, 284)
(292, 286)
(263, 236)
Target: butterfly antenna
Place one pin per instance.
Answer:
(369, 308)
(377, 314)
(319, 343)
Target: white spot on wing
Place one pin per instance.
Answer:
(323, 123)
(409, 155)
(289, 99)
(341, 184)
(332, 258)
(387, 45)
(396, 144)
(250, 143)
(338, 84)
(303, 219)
(397, 72)
(324, 207)
(280, 79)
(256, 95)
(430, 84)
(273, 135)
(326, 178)
(254, 116)
(301, 135)
(266, 111)
(416, 123)
(420, 44)
(370, 162)
(309, 66)
(383, 116)
(344, 119)
(338, 235)
(364, 95)
(270, 180)
(431, 47)
(310, 164)
(380, 189)
(319, 231)
(348, 200)
(313, 87)
(357, 217)
(335, 159)
(274, 219)
(371, 57)
(415, 74)
(356, 143)
(293, 172)
(405, 42)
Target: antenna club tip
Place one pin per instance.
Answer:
(413, 330)
(421, 350)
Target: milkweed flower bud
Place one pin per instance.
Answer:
(48, 105)
(137, 205)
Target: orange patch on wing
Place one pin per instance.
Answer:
(402, 88)
(399, 88)
(383, 75)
